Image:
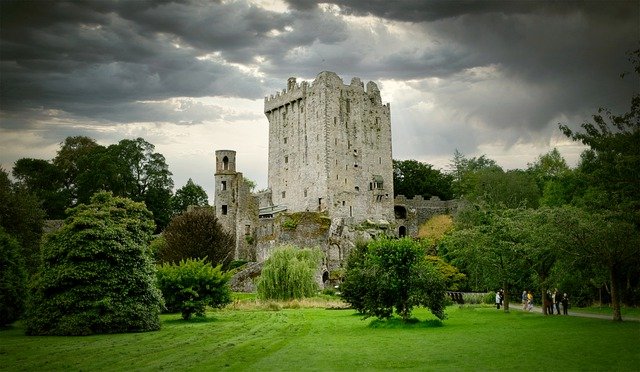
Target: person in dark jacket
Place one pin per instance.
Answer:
(565, 304)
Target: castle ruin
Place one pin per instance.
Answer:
(330, 176)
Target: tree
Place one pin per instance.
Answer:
(197, 234)
(13, 279)
(145, 176)
(189, 194)
(72, 161)
(550, 166)
(465, 172)
(394, 275)
(192, 285)
(411, 178)
(289, 273)
(601, 239)
(96, 274)
(489, 245)
(44, 180)
(22, 218)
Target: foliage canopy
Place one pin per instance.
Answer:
(289, 273)
(191, 285)
(197, 234)
(391, 275)
(96, 274)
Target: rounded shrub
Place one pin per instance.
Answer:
(96, 274)
(191, 285)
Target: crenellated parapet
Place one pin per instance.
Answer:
(294, 92)
(419, 202)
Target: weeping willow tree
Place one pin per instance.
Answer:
(289, 274)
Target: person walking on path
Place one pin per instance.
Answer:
(565, 304)
(556, 300)
(529, 301)
(498, 300)
(524, 300)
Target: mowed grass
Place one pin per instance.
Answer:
(472, 338)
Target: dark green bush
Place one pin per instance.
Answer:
(96, 274)
(289, 274)
(393, 275)
(192, 285)
(13, 279)
(197, 234)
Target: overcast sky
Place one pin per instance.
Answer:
(190, 77)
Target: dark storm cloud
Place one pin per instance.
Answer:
(86, 57)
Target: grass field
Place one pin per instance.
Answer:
(472, 338)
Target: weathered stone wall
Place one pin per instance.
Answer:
(418, 211)
(330, 148)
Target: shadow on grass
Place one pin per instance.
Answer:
(195, 319)
(397, 323)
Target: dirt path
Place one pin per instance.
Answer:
(538, 309)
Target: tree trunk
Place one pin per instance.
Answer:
(506, 298)
(543, 280)
(615, 298)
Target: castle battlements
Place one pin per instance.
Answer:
(294, 92)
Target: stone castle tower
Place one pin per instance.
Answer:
(330, 149)
(236, 209)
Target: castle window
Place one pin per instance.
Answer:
(224, 210)
(343, 203)
(377, 183)
(285, 140)
(286, 159)
(305, 193)
(348, 106)
(301, 109)
(247, 229)
(380, 160)
(357, 188)
(335, 120)
(355, 165)
(377, 121)
(284, 194)
(224, 185)
(225, 163)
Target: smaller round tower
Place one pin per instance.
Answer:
(226, 189)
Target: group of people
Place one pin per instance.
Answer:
(551, 301)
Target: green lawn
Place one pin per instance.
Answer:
(479, 338)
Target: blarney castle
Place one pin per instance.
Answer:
(330, 176)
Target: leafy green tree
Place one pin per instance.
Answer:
(549, 166)
(289, 273)
(465, 173)
(44, 180)
(96, 274)
(145, 176)
(601, 239)
(189, 194)
(394, 275)
(488, 244)
(191, 285)
(354, 287)
(22, 218)
(197, 234)
(13, 279)
(411, 178)
(72, 161)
